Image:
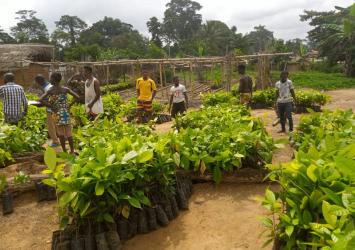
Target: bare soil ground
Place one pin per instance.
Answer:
(220, 217)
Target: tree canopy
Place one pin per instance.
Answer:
(333, 34)
(29, 28)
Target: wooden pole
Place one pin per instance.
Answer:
(107, 74)
(223, 77)
(174, 71)
(191, 72)
(164, 75)
(229, 72)
(160, 76)
(133, 75)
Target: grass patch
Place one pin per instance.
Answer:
(318, 80)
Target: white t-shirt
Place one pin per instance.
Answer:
(178, 93)
(284, 91)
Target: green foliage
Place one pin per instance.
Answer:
(68, 30)
(115, 87)
(313, 129)
(29, 28)
(219, 139)
(218, 98)
(21, 178)
(267, 97)
(306, 98)
(3, 183)
(29, 136)
(318, 80)
(316, 204)
(119, 166)
(334, 35)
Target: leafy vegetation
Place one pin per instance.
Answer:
(267, 98)
(219, 139)
(218, 98)
(115, 87)
(117, 168)
(318, 80)
(29, 136)
(315, 208)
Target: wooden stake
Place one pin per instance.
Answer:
(160, 76)
(191, 72)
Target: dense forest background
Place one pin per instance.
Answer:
(182, 33)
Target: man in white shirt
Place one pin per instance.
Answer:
(178, 98)
(285, 95)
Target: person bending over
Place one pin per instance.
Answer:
(58, 103)
(178, 98)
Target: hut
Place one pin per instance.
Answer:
(20, 59)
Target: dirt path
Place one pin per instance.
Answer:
(221, 217)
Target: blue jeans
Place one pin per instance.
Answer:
(285, 111)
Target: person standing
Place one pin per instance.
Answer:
(45, 87)
(93, 100)
(285, 95)
(56, 98)
(178, 98)
(14, 100)
(146, 91)
(245, 86)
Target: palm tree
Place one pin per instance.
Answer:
(343, 37)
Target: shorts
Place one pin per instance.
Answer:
(144, 105)
(178, 108)
(64, 130)
(245, 98)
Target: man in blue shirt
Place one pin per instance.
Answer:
(14, 100)
(45, 86)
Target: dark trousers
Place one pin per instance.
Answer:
(285, 111)
(178, 108)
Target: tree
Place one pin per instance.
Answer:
(216, 37)
(68, 30)
(334, 35)
(259, 39)
(155, 29)
(181, 20)
(5, 37)
(29, 28)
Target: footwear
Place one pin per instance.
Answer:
(277, 121)
(54, 145)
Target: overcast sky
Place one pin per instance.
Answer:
(280, 16)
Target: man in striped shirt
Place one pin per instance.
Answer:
(14, 100)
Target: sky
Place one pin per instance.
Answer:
(279, 16)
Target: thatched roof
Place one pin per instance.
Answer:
(13, 56)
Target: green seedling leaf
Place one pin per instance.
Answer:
(145, 156)
(310, 172)
(50, 182)
(134, 202)
(50, 158)
(99, 188)
(129, 156)
(289, 230)
(108, 218)
(66, 198)
(267, 222)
